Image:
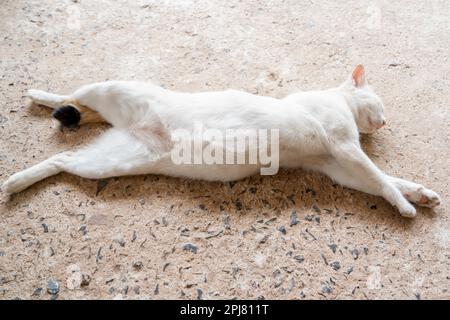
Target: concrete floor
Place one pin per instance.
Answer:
(126, 240)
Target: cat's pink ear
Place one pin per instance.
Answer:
(359, 76)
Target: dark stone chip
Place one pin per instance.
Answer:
(138, 265)
(333, 247)
(335, 265)
(327, 289)
(294, 219)
(199, 294)
(190, 247)
(37, 292)
(101, 184)
(282, 229)
(355, 253)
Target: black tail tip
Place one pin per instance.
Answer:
(68, 115)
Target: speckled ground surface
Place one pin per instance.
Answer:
(126, 240)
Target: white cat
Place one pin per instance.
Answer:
(319, 130)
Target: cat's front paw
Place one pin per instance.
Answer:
(424, 197)
(429, 199)
(407, 210)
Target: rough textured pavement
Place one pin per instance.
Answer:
(291, 236)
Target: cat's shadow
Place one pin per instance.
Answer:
(270, 195)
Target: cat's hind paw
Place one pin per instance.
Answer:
(14, 184)
(408, 211)
(429, 199)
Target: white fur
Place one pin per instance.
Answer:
(319, 130)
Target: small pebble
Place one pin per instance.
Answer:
(37, 292)
(119, 239)
(299, 258)
(184, 232)
(282, 229)
(52, 286)
(264, 239)
(333, 247)
(137, 265)
(294, 219)
(335, 265)
(190, 247)
(327, 289)
(83, 229)
(199, 294)
(85, 279)
(45, 226)
(355, 253)
(226, 222)
(101, 184)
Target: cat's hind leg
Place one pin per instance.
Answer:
(120, 103)
(23, 179)
(416, 193)
(115, 153)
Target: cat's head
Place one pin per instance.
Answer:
(366, 105)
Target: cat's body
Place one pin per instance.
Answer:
(318, 130)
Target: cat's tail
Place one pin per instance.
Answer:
(68, 111)
(73, 114)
